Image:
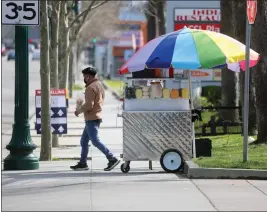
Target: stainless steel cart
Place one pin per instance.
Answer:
(164, 136)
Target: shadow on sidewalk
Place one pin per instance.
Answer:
(15, 176)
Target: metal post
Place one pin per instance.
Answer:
(21, 148)
(191, 108)
(246, 94)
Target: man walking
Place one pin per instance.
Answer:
(92, 110)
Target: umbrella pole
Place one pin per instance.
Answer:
(191, 108)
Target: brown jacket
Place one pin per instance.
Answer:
(94, 100)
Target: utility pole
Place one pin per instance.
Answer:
(21, 147)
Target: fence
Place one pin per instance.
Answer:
(217, 121)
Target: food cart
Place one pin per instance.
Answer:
(157, 113)
(157, 121)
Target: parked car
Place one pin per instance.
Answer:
(3, 50)
(9, 45)
(11, 55)
(36, 54)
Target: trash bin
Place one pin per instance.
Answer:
(203, 147)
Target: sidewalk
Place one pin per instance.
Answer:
(54, 187)
(70, 143)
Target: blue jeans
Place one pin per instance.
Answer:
(90, 132)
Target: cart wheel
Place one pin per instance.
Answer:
(125, 170)
(171, 160)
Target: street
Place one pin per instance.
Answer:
(8, 92)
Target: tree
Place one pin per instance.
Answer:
(233, 24)
(55, 57)
(54, 27)
(100, 23)
(154, 11)
(64, 32)
(258, 43)
(160, 20)
(63, 53)
(230, 90)
(46, 149)
(149, 10)
(240, 16)
(71, 55)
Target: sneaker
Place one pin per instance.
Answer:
(80, 166)
(112, 164)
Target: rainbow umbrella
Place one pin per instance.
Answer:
(190, 49)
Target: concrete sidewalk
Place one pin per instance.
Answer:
(110, 132)
(55, 187)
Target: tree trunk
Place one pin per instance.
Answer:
(160, 5)
(240, 16)
(46, 149)
(63, 60)
(54, 46)
(151, 21)
(54, 56)
(259, 72)
(78, 62)
(230, 90)
(71, 71)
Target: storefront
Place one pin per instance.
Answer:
(205, 15)
(130, 36)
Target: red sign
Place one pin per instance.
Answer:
(251, 10)
(211, 27)
(208, 15)
(199, 74)
(53, 92)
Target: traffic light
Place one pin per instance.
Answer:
(91, 54)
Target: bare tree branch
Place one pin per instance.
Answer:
(101, 24)
(98, 5)
(82, 14)
(87, 23)
(78, 30)
(56, 5)
(86, 12)
(149, 4)
(70, 8)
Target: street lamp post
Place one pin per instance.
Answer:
(21, 148)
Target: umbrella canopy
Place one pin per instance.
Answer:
(190, 49)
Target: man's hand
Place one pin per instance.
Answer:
(76, 113)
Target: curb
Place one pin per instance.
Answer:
(113, 92)
(193, 171)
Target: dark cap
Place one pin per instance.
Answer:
(90, 71)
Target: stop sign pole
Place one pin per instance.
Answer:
(251, 15)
